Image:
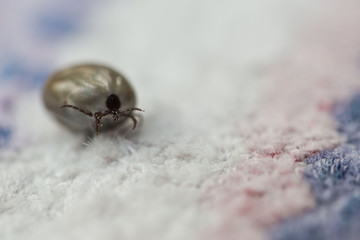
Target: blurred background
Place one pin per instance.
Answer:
(169, 50)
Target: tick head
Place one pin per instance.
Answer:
(113, 102)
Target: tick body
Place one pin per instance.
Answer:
(90, 97)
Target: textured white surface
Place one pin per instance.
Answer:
(196, 66)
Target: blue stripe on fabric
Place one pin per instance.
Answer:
(11, 68)
(5, 135)
(348, 117)
(56, 25)
(22, 74)
(334, 178)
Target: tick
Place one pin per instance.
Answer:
(89, 95)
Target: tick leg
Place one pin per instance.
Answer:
(132, 118)
(115, 117)
(130, 110)
(98, 116)
(79, 109)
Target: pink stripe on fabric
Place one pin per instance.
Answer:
(291, 123)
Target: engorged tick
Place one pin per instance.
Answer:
(93, 90)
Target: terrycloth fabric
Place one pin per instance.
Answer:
(334, 176)
(250, 129)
